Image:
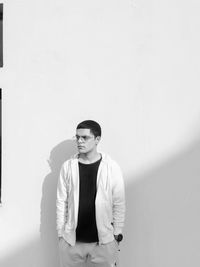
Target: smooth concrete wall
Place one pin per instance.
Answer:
(134, 67)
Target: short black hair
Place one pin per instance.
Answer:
(94, 127)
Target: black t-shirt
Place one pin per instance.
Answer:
(86, 230)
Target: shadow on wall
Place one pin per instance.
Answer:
(163, 214)
(43, 252)
(162, 221)
(49, 239)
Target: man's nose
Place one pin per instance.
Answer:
(79, 139)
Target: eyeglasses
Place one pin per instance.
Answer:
(83, 138)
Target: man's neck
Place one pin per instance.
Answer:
(89, 157)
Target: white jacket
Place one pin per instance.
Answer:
(109, 203)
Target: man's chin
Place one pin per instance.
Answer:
(81, 150)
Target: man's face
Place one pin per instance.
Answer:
(86, 141)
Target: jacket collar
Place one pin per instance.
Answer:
(104, 156)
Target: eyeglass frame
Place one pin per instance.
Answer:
(84, 138)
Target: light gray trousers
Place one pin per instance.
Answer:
(88, 254)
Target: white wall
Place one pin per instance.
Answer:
(134, 67)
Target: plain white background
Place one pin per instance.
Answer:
(134, 67)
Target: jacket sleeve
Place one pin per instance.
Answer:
(118, 196)
(61, 201)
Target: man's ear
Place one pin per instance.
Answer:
(98, 138)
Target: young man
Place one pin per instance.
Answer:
(90, 203)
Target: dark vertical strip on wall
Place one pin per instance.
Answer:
(1, 35)
(0, 139)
